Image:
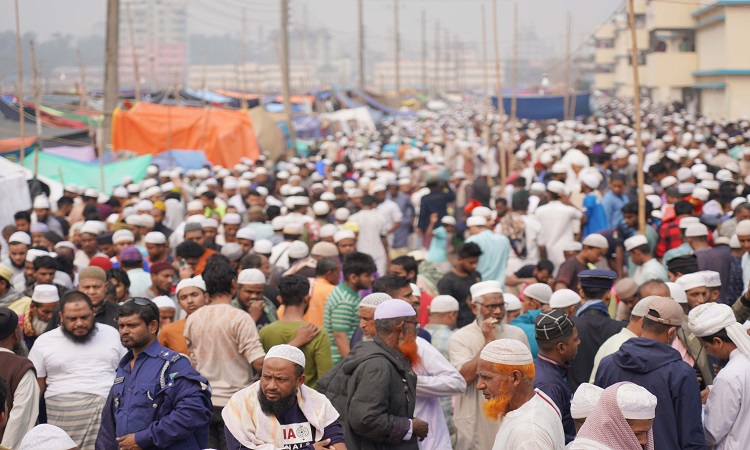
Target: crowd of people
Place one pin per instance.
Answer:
(385, 291)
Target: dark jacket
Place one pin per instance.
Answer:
(374, 390)
(594, 327)
(550, 378)
(164, 401)
(660, 369)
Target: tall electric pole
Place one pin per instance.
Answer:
(285, 69)
(111, 81)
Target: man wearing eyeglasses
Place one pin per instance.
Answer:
(474, 430)
(158, 400)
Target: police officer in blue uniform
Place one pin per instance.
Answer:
(158, 400)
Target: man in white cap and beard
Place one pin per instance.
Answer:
(726, 412)
(557, 217)
(374, 388)
(280, 411)
(583, 403)
(622, 420)
(464, 347)
(529, 419)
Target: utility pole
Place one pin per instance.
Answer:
(111, 82)
(137, 74)
(361, 18)
(397, 51)
(424, 51)
(20, 84)
(637, 118)
(285, 69)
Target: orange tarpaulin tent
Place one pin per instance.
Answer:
(226, 136)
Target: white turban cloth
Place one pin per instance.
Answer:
(710, 318)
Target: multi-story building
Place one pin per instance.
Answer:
(160, 32)
(623, 49)
(604, 58)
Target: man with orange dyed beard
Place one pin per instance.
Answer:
(529, 419)
(374, 388)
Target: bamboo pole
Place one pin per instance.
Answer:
(19, 94)
(37, 103)
(499, 92)
(133, 50)
(637, 118)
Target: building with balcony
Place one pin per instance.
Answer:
(604, 58)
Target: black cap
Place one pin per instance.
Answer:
(105, 238)
(683, 264)
(597, 279)
(552, 325)
(8, 322)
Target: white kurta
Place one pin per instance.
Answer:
(557, 221)
(436, 378)
(727, 410)
(536, 425)
(473, 429)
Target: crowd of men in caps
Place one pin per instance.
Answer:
(385, 292)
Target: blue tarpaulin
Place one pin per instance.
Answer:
(546, 107)
(186, 159)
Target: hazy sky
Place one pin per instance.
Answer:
(546, 17)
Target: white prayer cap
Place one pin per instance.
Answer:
(41, 202)
(391, 309)
(328, 230)
(163, 301)
(696, 230)
(33, 254)
(150, 192)
(191, 282)
(476, 221)
(373, 300)
(134, 220)
(641, 308)
(251, 276)
(120, 192)
(293, 228)
(47, 437)
(508, 352)
(196, 218)
(563, 298)
(65, 244)
(596, 240)
(710, 318)
(481, 211)
(133, 189)
(734, 242)
(263, 247)
(636, 402)
(92, 228)
(512, 303)
(572, 246)
(483, 288)
(537, 188)
(90, 192)
(539, 291)
(20, 237)
(45, 293)
(635, 241)
(676, 292)
(343, 234)
(737, 202)
(691, 281)
(341, 214)
(231, 219)
(320, 208)
(210, 222)
(379, 187)
(195, 205)
(584, 400)
(590, 180)
(298, 250)
(687, 221)
(448, 220)
(558, 168)
(230, 183)
(155, 237)
(288, 352)
(122, 235)
(444, 304)
(556, 187)
(327, 196)
(415, 291)
(246, 233)
(743, 228)
(668, 181)
(684, 173)
(262, 190)
(144, 205)
(701, 193)
(713, 279)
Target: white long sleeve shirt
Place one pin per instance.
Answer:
(436, 378)
(727, 410)
(22, 418)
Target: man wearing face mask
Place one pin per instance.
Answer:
(651, 362)
(363, 388)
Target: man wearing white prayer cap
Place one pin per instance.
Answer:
(647, 267)
(557, 217)
(366, 314)
(374, 389)
(512, 307)
(250, 298)
(622, 420)
(565, 300)
(47, 437)
(191, 295)
(473, 429)
(583, 403)
(495, 249)
(166, 307)
(280, 411)
(723, 338)
(529, 418)
(534, 300)
(633, 330)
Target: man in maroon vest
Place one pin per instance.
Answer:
(22, 401)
